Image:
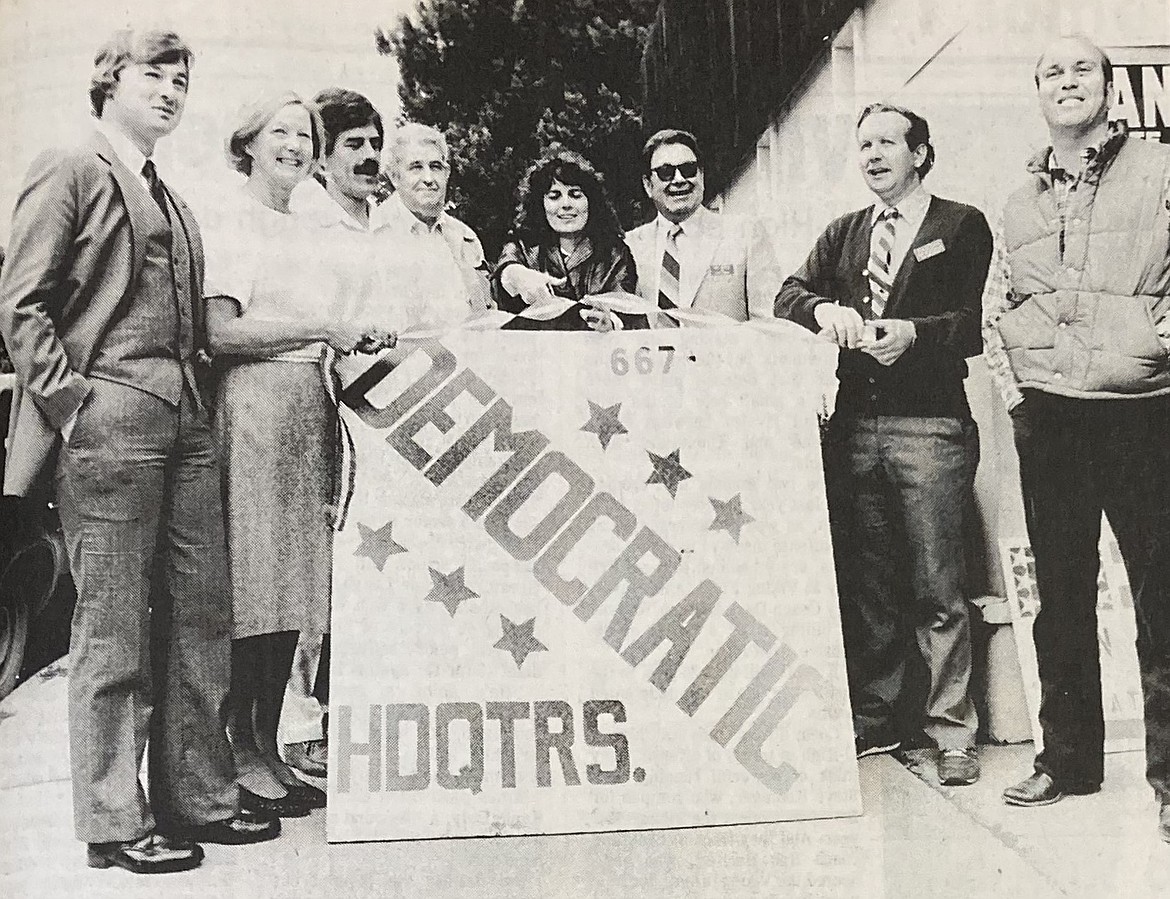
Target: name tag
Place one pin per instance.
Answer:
(927, 250)
(728, 269)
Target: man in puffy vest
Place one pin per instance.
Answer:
(1078, 334)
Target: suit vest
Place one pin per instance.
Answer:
(150, 344)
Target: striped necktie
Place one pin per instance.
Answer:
(877, 272)
(668, 279)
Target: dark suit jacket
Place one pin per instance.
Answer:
(72, 259)
(601, 272)
(939, 287)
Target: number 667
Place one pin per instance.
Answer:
(643, 364)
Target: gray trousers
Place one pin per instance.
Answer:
(139, 492)
(899, 488)
(303, 718)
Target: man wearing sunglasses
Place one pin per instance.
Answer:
(689, 257)
(897, 286)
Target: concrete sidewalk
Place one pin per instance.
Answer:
(915, 839)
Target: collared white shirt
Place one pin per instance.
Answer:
(394, 215)
(350, 252)
(126, 151)
(911, 213)
(422, 271)
(689, 274)
(313, 201)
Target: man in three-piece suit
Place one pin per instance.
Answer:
(102, 313)
(689, 257)
(898, 285)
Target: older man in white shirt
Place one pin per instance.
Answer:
(437, 267)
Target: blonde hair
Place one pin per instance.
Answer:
(253, 119)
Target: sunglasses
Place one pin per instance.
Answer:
(666, 172)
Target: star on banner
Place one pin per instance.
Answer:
(378, 545)
(604, 422)
(519, 640)
(449, 589)
(729, 516)
(668, 471)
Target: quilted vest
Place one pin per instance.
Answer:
(1095, 282)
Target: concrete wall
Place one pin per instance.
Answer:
(967, 67)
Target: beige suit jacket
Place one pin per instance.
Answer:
(736, 256)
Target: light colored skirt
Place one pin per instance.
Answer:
(277, 433)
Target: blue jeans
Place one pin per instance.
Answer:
(899, 490)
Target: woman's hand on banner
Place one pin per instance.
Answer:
(375, 340)
(529, 285)
(349, 336)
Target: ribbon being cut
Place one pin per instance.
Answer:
(585, 583)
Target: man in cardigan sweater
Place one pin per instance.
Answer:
(1078, 334)
(897, 285)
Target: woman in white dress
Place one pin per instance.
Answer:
(275, 316)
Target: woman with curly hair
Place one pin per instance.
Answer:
(566, 242)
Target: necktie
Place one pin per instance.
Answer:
(156, 187)
(877, 272)
(668, 279)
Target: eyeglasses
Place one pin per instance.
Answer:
(666, 171)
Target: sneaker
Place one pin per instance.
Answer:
(310, 757)
(958, 767)
(875, 744)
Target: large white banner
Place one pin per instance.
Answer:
(585, 583)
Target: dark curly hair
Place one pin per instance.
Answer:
(343, 110)
(531, 225)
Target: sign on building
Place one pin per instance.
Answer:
(1141, 91)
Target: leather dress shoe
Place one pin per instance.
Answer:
(1164, 820)
(285, 807)
(309, 758)
(246, 827)
(957, 767)
(1042, 789)
(307, 794)
(151, 854)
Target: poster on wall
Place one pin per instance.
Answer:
(590, 592)
(1141, 91)
(1121, 689)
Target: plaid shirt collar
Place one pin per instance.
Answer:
(1095, 159)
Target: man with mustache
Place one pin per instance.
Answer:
(1078, 332)
(340, 202)
(897, 286)
(101, 309)
(689, 257)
